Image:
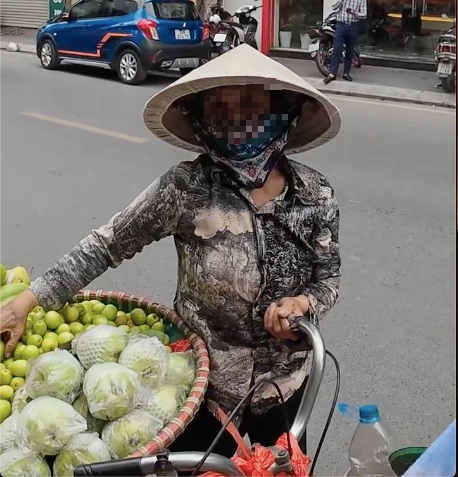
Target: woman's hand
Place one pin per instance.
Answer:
(13, 318)
(275, 319)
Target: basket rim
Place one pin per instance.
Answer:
(196, 396)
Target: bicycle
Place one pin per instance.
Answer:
(168, 464)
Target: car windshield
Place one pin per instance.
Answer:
(173, 10)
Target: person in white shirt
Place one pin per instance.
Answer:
(350, 12)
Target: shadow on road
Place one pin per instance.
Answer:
(160, 80)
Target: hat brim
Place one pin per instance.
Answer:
(318, 124)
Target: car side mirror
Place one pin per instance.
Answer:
(65, 16)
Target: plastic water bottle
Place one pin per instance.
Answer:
(371, 446)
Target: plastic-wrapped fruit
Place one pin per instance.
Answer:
(101, 344)
(111, 390)
(146, 356)
(164, 402)
(23, 463)
(46, 425)
(20, 400)
(8, 429)
(82, 407)
(81, 449)
(55, 374)
(181, 370)
(127, 434)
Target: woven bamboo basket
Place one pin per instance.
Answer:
(185, 415)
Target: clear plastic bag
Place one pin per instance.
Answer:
(82, 407)
(146, 356)
(101, 344)
(130, 432)
(23, 463)
(164, 402)
(8, 430)
(20, 400)
(81, 449)
(46, 425)
(56, 374)
(111, 390)
(181, 370)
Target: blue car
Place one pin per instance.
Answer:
(132, 37)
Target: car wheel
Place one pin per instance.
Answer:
(129, 67)
(48, 55)
(185, 71)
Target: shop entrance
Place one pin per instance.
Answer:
(405, 29)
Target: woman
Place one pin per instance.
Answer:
(256, 234)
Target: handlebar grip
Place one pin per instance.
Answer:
(116, 468)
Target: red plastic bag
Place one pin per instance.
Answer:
(258, 463)
(180, 346)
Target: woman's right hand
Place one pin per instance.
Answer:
(13, 318)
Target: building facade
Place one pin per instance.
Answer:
(410, 29)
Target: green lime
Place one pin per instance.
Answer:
(138, 316)
(30, 351)
(64, 328)
(52, 320)
(35, 340)
(159, 326)
(87, 306)
(151, 319)
(49, 344)
(87, 318)
(2, 275)
(98, 308)
(110, 312)
(18, 351)
(39, 327)
(100, 320)
(76, 328)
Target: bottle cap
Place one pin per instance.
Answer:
(369, 414)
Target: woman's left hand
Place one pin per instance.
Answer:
(275, 319)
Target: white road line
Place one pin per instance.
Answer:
(393, 104)
(85, 127)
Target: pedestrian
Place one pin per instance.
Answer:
(349, 14)
(257, 234)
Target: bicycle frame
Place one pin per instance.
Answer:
(170, 464)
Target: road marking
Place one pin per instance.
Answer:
(394, 104)
(85, 127)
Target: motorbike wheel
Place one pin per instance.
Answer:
(357, 62)
(448, 84)
(323, 59)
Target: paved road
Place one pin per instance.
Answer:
(392, 165)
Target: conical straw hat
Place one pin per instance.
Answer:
(240, 66)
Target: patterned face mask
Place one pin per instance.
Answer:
(249, 148)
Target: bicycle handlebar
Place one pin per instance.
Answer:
(187, 461)
(181, 461)
(313, 342)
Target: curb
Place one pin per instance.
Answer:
(11, 46)
(359, 90)
(385, 93)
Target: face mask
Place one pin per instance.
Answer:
(248, 149)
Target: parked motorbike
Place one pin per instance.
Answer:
(240, 28)
(217, 26)
(322, 36)
(445, 56)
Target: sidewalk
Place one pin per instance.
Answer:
(379, 83)
(369, 82)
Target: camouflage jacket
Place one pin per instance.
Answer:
(234, 260)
